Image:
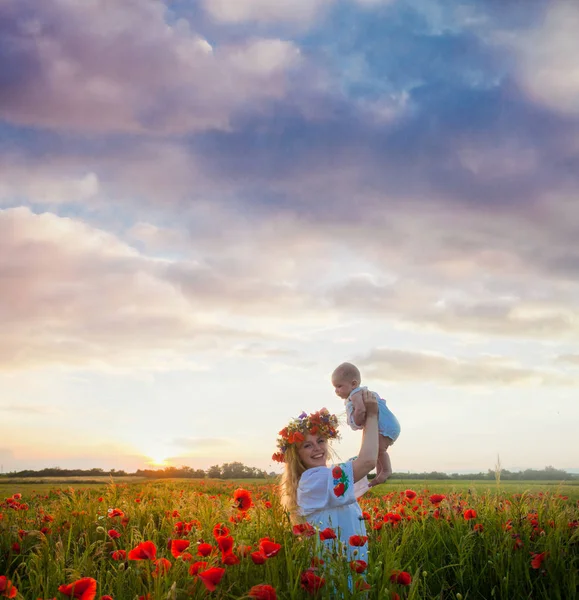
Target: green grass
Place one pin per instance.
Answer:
(61, 534)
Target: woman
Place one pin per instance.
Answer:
(324, 496)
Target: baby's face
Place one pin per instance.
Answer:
(343, 387)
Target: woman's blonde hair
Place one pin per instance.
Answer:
(294, 468)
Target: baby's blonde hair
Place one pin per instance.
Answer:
(348, 371)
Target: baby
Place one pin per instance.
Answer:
(346, 380)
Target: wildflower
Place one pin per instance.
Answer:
(144, 551)
(242, 499)
(262, 592)
(196, 567)
(7, 589)
(225, 543)
(258, 558)
(478, 527)
(229, 558)
(363, 585)
(358, 540)
(211, 577)
(537, 560)
(162, 565)
(119, 555)
(469, 514)
(410, 494)
(204, 549)
(401, 577)
(303, 529)
(115, 512)
(220, 530)
(269, 547)
(113, 534)
(83, 589)
(178, 547)
(327, 534)
(437, 498)
(106, 597)
(358, 565)
(311, 582)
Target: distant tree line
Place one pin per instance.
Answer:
(234, 470)
(546, 474)
(237, 470)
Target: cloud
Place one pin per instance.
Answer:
(403, 366)
(264, 11)
(127, 67)
(569, 359)
(77, 295)
(547, 68)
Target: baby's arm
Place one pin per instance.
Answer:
(359, 413)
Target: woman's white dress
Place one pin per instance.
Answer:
(327, 498)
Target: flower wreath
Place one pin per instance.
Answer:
(321, 422)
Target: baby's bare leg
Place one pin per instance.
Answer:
(383, 465)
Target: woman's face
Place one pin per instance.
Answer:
(313, 451)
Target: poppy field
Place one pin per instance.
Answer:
(208, 539)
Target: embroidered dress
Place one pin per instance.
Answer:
(327, 498)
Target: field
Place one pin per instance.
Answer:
(160, 540)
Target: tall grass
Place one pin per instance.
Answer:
(474, 544)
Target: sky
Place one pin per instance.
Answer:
(207, 205)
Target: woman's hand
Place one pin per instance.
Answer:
(370, 402)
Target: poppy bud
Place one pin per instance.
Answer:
(100, 529)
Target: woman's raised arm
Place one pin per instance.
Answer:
(366, 459)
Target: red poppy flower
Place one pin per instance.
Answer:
(211, 577)
(327, 534)
(16, 548)
(358, 540)
(196, 567)
(204, 549)
(410, 494)
(242, 499)
(178, 547)
(107, 597)
(119, 555)
(83, 589)
(358, 565)
(478, 527)
(262, 592)
(225, 543)
(116, 512)
(303, 529)
(339, 489)
(470, 514)
(7, 589)
(269, 547)
(311, 582)
(363, 585)
(114, 534)
(537, 560)
(258, 558)
(337, 472)
(220, 530)
(401, 577)
(144, 551)
(278, 457)
(437, 498)
(228, 558)
(162, 565)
